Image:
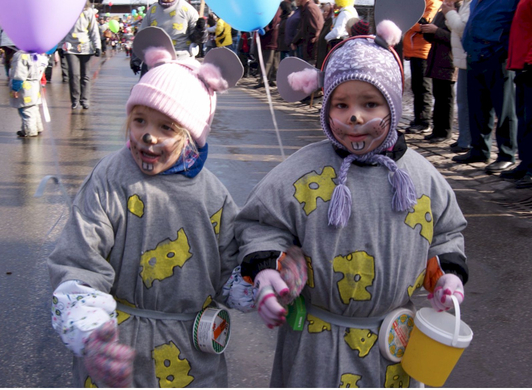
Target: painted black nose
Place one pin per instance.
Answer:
(147, 138)
(353, 118)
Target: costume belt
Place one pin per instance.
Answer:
(155, 315)
(348, 322)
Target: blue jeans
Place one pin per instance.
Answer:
(490, 88)
(464, 135)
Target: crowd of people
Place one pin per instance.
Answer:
(452, 44)
(455, 60)
(133, 261)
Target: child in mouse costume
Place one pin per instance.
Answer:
(150, 240)
(374, 220)
(26, 82)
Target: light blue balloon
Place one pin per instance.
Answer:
(52, 50)
(245, 15)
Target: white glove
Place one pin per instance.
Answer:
(269, 286)
(447, 285)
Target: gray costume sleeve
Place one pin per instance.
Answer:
(85, 243)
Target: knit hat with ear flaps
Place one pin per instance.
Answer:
(368, 59)
(184, 91)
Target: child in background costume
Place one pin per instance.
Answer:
(150, 240)
(25, 80)
(342, 23)
(178, 18)
(374, 220)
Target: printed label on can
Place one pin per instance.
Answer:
(395, 333)
(211, 330)
(399, 334)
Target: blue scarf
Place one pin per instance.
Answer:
(190, 163)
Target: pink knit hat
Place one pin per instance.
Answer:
(184, 91)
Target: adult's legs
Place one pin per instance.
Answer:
(85, 79)
(272, 74)
(74, 77)
(49, 69)
(443, 116)
(503, 96)
(268, 57)
(464, 135)
(422, 90)
(481, 114)
(64, 69)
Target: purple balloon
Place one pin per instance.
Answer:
(36, 26)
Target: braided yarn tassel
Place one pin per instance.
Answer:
(404, 196)
(340, 206)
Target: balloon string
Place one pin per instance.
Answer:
(56, 177)
(267, 86)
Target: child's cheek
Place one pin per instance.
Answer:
(172, 146)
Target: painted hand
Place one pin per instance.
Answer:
(108, 362)
(294, 273)
(269, 286)
(447, 285)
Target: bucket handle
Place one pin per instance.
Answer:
(454, 343)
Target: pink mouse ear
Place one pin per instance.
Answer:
(389, 31)
(212, 77)
(153, 37)
(297, 79)
(306, 80)
(156, 55)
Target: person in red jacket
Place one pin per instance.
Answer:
(520, 60)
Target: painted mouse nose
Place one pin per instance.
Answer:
(148, 139)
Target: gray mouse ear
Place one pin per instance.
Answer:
(404, 13)
(227, 61)
(297, 79)
(152, 37)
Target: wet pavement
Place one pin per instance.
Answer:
(243, 147)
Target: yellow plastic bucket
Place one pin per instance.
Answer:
(436, 343)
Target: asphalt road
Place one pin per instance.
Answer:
(243, 148)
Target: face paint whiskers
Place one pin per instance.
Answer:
(386, 121)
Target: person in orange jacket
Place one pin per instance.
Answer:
(416, 50)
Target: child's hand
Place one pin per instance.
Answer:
(447, 285)
(108, 362)
(14, 94)
(294, 273)
(270, 285)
